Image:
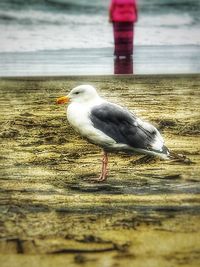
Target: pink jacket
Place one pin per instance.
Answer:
(123, 11)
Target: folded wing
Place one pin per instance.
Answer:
(125, 128)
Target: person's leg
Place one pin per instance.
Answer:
(116, 34)
(129, 37)
(123, 38)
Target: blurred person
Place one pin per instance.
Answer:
(123, 15)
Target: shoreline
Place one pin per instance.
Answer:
(114, 76)
(146, 60)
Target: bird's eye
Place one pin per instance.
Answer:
(76, 93)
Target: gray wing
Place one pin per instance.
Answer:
(124, 127)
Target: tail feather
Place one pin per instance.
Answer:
(179, 158)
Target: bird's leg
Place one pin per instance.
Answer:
(104, 170)
(103, 175)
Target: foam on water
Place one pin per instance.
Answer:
(166, 20)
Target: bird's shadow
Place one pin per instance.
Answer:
(133, 184)
(87, 184)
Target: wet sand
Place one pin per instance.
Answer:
(146, 214)
(159, 59)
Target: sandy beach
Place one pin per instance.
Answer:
(146, 214)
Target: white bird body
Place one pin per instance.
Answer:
(111, 126)
(78, 116)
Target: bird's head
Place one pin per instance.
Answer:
(79, 94)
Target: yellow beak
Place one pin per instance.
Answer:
(62, 100)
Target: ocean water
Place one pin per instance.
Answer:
(35, 26)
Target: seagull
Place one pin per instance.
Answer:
(111, 126)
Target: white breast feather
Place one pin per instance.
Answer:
(78, 117)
